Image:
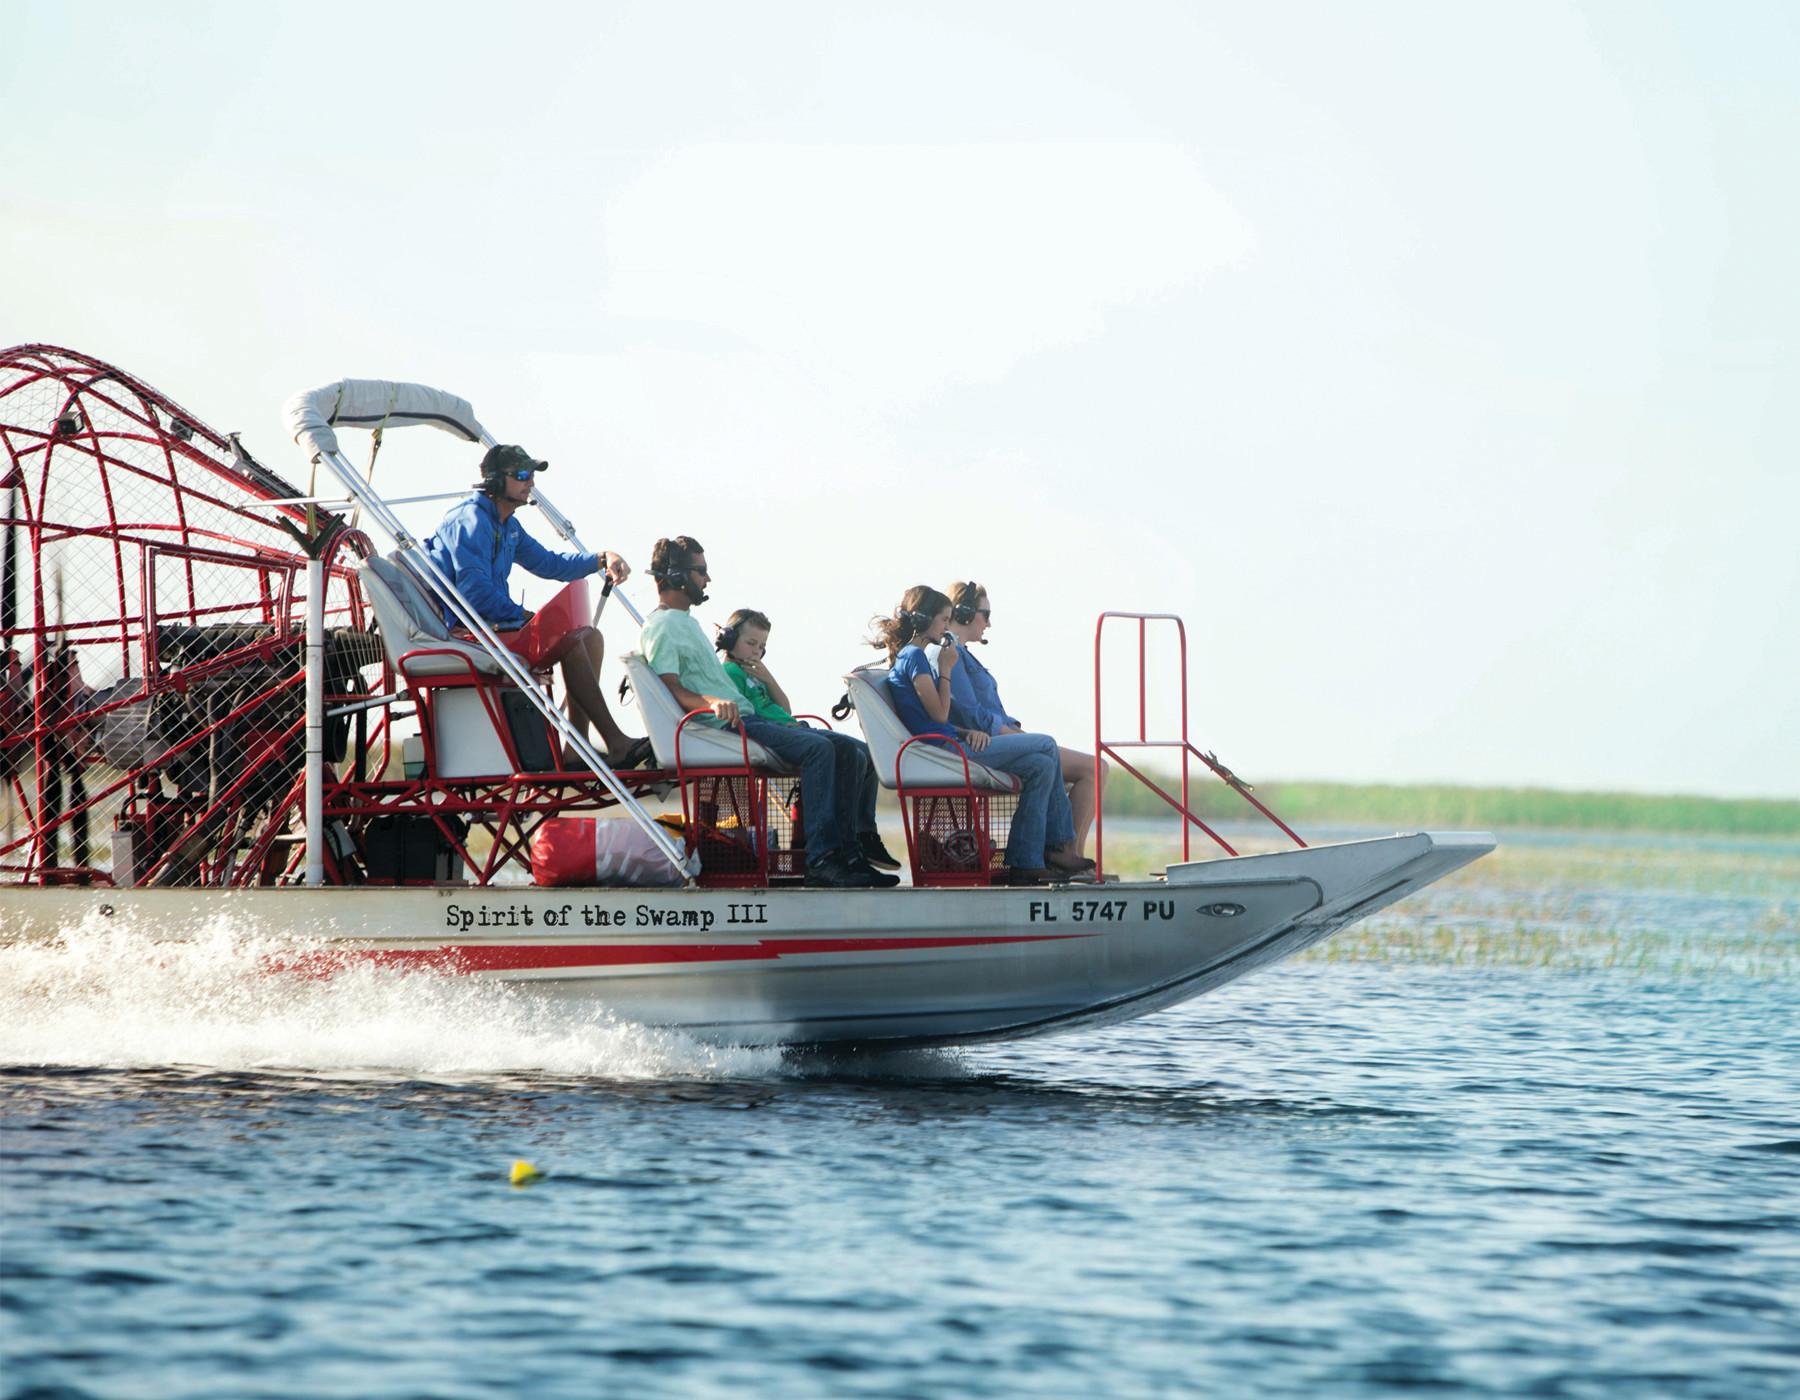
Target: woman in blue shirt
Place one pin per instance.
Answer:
(975, 702)
(920, 689)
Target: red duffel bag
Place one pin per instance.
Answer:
(598, 851)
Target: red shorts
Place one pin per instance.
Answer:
(556, 629)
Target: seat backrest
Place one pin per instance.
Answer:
(427, 617)
(927, 765)
(399, 634)
(659, 708)
(882, 728)
(702, 745)
(385, 584)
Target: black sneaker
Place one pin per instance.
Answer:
(831, 873)
(1033, 875)
(879, 879)
(877, 854)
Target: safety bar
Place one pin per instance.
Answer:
(1104, 748)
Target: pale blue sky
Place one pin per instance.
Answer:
(1437, 362)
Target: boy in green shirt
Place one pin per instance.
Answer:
(745, 642)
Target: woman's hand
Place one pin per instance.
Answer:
(948, 656)
(975, 739)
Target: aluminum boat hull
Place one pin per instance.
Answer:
(799, 966)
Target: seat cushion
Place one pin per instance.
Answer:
(702, 745)
(927, 765)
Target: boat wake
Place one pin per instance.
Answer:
(106, 995)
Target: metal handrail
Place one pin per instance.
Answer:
(1104, 747)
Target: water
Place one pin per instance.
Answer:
(1536, 1133)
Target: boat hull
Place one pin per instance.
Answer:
(800, 966)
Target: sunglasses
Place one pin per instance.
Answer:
(522, 474)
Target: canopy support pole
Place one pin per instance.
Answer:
(315, 721)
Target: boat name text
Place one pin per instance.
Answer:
(463, 919)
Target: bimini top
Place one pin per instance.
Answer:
(374, 403)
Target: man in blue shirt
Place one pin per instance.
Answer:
(476, 546)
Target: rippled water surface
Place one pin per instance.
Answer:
(1536, 1133)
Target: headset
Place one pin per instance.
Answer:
(962, 614)
(920, 621)
(672, 577)
(504, 463)
(728, 638)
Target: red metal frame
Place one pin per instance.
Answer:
(760, 864)
(1111, 748)
(488, 688)
(923, 800)
(117, 493)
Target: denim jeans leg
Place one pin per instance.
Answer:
(856, 794)
(858, 785)
(1034, 760)
(816, 758)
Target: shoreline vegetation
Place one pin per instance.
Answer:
(1445, 807)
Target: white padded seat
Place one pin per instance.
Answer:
(927, 765)
(702, 745)
(410, 621)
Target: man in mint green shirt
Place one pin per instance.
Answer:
(678, 651)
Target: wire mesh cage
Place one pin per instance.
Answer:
(746, 829)
(151, 606)
(958, 838)
(787, 831)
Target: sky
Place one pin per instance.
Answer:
(1436, 364)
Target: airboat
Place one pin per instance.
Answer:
(220, 699)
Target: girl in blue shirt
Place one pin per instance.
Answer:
(921, 693)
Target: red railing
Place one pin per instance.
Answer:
(1105, 748)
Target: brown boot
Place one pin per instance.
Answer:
(1066, 858)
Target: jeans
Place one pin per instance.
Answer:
(861, 773)
(828, 782)
(1044, 814)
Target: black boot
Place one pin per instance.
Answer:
(832, 872)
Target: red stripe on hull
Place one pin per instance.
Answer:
(513, 957)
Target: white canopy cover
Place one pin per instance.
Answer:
(371, 404)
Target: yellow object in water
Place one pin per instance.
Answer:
(523, 1173)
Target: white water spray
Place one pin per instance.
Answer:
(108, 995)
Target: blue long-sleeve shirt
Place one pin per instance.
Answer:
(975, 697)
(477, 550)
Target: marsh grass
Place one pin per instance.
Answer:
(1450, 808)
(1642, 905)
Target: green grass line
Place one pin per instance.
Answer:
(1446, 807)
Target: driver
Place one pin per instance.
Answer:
(476, 545)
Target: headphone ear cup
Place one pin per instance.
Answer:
(728, 640)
